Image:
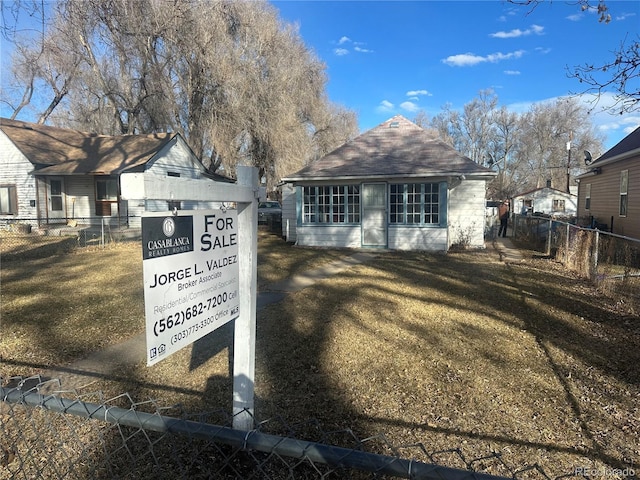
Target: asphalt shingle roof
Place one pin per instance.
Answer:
(395, 148)
(59, 151)
(628, 144)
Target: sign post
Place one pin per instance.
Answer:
(244, 347)
(166, 273)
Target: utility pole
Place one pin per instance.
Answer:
(569, 161)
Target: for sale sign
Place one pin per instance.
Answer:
(191, 276)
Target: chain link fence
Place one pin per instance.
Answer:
(64, 435)
(610, 260)
(20, 237)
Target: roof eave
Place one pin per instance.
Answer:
(475, 175)
(621, 156)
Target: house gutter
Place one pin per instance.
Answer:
(447, 175)
(608, 161)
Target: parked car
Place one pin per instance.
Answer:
(269, 212)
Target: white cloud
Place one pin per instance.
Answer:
(416, 93)
(344, 40)
(624, 16)
(512, 72)
(463, 60)
(409, 106)
(533, 30)
(470, 59)
(385, 106)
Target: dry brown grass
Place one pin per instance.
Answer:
(456, 351)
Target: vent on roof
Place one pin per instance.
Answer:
(394, 125)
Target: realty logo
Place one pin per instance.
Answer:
(168, 227)
(163, 236)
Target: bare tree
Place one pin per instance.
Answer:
(527, 150)
(621, 74)
(501, 146)
(554, 135)
(231, 77)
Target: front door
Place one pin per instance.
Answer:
(374, 215)
(56, 202)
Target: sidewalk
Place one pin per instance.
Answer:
(507, 250)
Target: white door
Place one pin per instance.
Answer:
(374, 215)
(56, 198)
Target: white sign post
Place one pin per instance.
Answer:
(138, 186)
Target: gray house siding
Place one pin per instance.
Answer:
(60, 158)
(605, 197)
(466, 219)
(14, 177)
(289, 215)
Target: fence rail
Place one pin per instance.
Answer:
(18, 235)
(50, 436)
(606, 258)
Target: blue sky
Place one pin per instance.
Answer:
(389, 57)
(385, 58)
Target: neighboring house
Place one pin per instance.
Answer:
(51, 175)
(609, 193)
(546, 200)
(392, 187)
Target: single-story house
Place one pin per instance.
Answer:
(51, 176)
(609, 192)
(395, 187)
(546, 200)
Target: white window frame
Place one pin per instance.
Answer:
(415, 204)
(587, 196)
(337, 204)
(624, 190)
(8, 200)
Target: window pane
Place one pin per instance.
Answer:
(324, 204)
(56, 203)
(106, 189)
(431, 203)
(309, 207)
(56, 187)
(353, 199)
(396, 203)
(413, 202)
(624, 181)
(8, 200)
(338, 204)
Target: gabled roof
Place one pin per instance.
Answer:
(59, 151)
(626, 147)
(395, 148)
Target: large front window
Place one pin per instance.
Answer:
(414, 203)
(331, 204)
